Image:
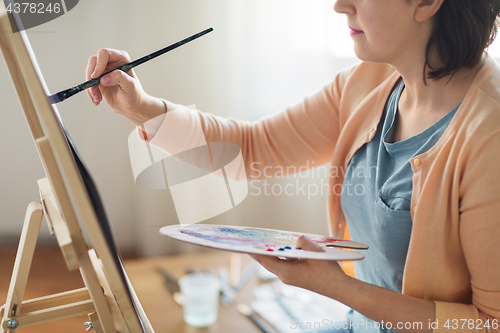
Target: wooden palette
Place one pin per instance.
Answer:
(262, 241)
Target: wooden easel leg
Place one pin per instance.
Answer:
(119, 321)
(24, 256)
(96, 324)
(96, 292)
(22, 265)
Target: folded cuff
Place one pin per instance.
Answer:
(450, 317)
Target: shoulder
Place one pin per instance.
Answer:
(489, 84)
(482, 103)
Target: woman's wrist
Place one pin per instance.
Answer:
(153, 107)
(145, 110)
(341, 288)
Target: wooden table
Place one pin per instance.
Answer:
(48, 275)
(166, 315)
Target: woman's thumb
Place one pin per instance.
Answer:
(306, 244)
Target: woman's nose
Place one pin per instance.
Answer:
(344, 7)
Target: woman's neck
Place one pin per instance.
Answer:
(432, 96)
(423, 104)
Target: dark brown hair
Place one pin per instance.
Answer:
(462, 30)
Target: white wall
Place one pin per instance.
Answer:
(252, 65)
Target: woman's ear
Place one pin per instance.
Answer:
(427, 9)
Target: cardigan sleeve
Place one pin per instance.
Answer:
(302, 135)
(480, 238)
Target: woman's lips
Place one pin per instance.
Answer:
(355, 32)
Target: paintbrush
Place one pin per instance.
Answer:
(259, 322)
(172, 284)
(227, 293)
(65, 94)
(247, 274)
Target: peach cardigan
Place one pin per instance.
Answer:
(454, 252)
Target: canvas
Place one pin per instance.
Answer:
(76, 195)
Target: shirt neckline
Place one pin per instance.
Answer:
(392, 109)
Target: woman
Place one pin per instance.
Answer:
(422, 114)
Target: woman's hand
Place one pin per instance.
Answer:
(327, 278)
(122, 91)
(320, 276)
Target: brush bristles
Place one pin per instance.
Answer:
(62, 95)
(244, 309)
(54, 99)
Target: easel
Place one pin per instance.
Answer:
(66, 203)
(17, 313)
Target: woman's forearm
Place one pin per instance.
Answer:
(391, 309)
(396, 311)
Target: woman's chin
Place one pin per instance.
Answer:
(364, 55)
(361, 53)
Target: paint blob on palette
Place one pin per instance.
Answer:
(262, 241)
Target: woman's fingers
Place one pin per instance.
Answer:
(103, 57)
(94, 93)
(103, 61)
(109, 59)
(121, 79)
(315, 275)
(90, 67)
(271, 263)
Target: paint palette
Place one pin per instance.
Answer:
(262, 241)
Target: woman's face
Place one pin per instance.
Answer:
(384, 31)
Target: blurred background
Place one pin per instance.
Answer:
(263, 55)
